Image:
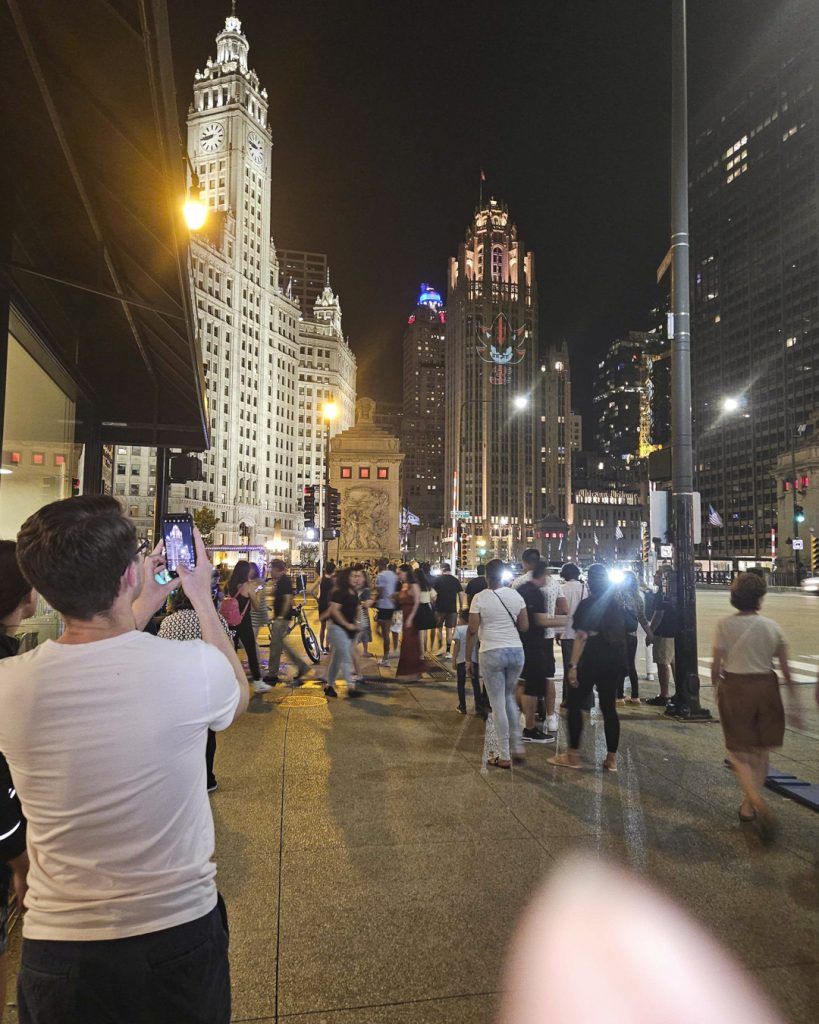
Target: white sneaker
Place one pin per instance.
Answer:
(383, 663)
(552, 723)
(261, 687)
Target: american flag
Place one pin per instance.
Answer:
(714, 518)
(596, 541)
(618, 534)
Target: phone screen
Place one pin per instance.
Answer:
(179, 546)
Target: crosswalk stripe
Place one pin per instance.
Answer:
(799, 677)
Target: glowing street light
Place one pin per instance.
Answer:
(730, 404)
(195, 210)
(330, 411)
(521, 401)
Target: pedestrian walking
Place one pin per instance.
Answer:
(424, 620)
(449, 598)
(539, 658)
(411, 664)
(324, 586)
(123, 919)
(635, 604)
(244, 592)
(17, 602)
(748, 694)
(664, 632)
(280, 625)
(342, 616)
(365, 602)
(497, 617)
(476, 584)
(555, 604)
(459, 663)
(386, 583)
(598, 660)
(573, 591)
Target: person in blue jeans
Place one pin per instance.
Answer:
(497, 616)
(342, 614)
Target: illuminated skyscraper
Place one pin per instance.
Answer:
(422, 427)
(492, 456)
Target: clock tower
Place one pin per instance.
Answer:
(248, 326)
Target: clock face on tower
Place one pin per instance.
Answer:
(212, 137)
(254, 149)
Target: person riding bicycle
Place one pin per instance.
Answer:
(280, 625)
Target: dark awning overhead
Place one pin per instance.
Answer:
(98, 184)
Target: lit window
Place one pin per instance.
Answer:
(38, 458)
(383, 473)
(346, 472)
(59, 460)
(363, 472)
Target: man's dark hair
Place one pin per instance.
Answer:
(530, 556)
(446, 567)
(540, 568)
(495, 569)
(382, 564)
(480, 569)
(277, 563)
(75, 551)
(570, 571)
(14, 587)
(747, 591)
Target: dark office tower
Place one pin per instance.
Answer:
(492, 448)
(422, 427)
(618, 388)
(754, 270)
(303, 275)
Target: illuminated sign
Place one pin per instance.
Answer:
(501, 343)
(429, 297)
(606, 498)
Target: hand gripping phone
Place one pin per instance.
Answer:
(177, 533)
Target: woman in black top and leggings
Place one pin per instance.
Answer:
(243, 589)
(598, 659)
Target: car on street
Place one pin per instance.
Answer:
(810, 584)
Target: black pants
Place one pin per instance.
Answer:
(247, 638)
(476, 686)
(566, 647)
(605, 677)
(179, 975)
(631, 672)
(210, 754)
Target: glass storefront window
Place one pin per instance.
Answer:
(40, 461)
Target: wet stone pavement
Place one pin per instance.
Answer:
(373, 866)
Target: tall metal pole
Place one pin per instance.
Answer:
(326, 504)
(682, 480)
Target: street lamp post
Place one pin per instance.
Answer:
(682, 468)
(328, 414)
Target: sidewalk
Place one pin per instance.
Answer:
(373, 867)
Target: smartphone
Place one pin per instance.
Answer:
(177, 531)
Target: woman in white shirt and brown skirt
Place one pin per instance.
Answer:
(747, 692)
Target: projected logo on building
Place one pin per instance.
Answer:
(502, 346)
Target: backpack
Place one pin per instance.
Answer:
(229, 610)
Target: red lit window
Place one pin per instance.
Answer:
(59, 460)
(787, 485)
(15, 457)
(383, 473)
(346, 472)
(804, 482)
(37, 458)
(363, 472)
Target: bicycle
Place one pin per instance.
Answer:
(308, 637)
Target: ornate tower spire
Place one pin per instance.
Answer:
(231, 43)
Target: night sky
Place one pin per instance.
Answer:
(383, 114)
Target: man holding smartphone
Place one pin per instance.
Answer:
(104, 731)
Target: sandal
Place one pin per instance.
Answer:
(562, 761)
(495, 762)
(746, 817)
(609, 767)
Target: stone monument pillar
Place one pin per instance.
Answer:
(365, 466)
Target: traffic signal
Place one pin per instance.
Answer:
(333, 512)
(814, 555)
(798, 514)
(309, 505)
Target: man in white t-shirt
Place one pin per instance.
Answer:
(105, 731)
(555, 605)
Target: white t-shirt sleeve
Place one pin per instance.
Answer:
(220, 687)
